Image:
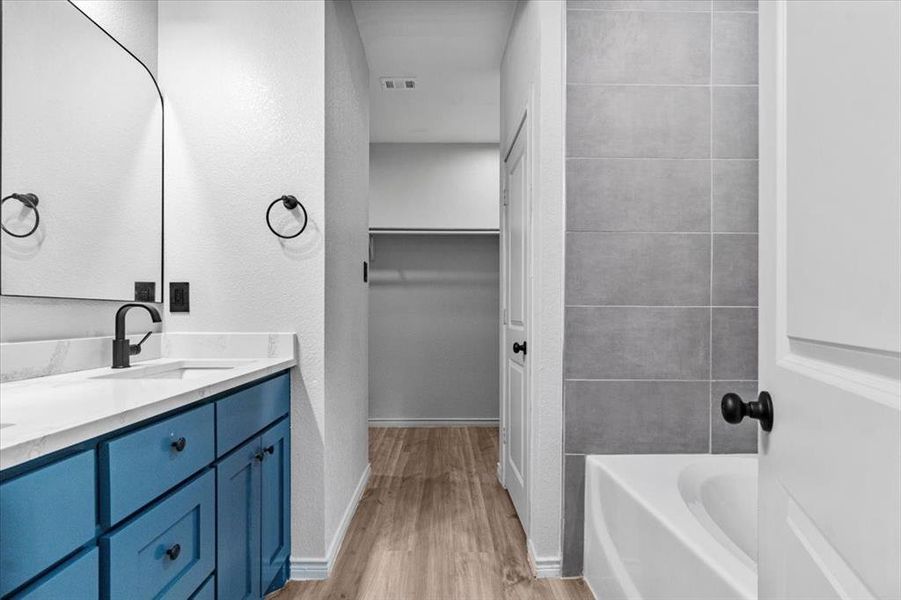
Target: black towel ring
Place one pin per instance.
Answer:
(29, 200)
(290, 203)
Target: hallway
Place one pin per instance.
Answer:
(434, 523)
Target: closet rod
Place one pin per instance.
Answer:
(433, 231)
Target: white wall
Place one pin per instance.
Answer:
(134, 23)
(346, 247)
(421, 186)
(533, 66)
(245, 116)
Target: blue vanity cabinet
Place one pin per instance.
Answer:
(45, 515)
(192, 505)
(253, 519)
(238, 490)
(247, 412)
(78, 577)
(207, 591)
(167, 550)
(275, 539)
(171, 450)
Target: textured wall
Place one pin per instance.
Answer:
(346, 247)
(434, 318)
(434, 186)
(661, 256)
(134, 23)
(243, 86)
(531, 70)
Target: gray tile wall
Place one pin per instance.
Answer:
(661, 248)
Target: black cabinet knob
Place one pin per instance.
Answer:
(180, 444)
(173, 552)
(517, 347)
(735, 409)
(260, 455)
(270, 450)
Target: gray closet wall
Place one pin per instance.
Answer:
(433, 329)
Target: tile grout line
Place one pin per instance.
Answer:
(623, 232)
(711, 225)
(711, 306)
(660, 85)
(696, 158)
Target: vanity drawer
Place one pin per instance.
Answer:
(243, 414)
(77, 578)
(207, 591)
(45, 515)
(142, 465)
(168, 548)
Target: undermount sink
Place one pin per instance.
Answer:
(194, 369)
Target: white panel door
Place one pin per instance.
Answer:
(516, 330)
(830, 299)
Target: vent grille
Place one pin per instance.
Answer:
(398, 83)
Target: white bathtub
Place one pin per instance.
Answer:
(671, 526)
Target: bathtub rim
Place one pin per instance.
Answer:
(677, 518)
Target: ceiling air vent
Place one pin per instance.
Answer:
(398, 83)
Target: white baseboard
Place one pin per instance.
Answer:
(321, 568)
(378, 422)
(545, 567)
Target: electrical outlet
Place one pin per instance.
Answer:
(179, 296)
(145, 291)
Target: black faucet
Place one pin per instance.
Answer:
(122, 348)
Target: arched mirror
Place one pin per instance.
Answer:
(82, 159)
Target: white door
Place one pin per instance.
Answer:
(830, 299)
(516, 331)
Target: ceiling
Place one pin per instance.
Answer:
(453, 48)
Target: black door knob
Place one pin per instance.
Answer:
(180, 444)
(735, 409)
(173, 552)
(517, 348)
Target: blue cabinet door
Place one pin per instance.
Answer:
(276, 503)
(238, 523)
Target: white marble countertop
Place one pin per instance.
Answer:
(42, 415)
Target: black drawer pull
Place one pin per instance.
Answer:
(180, 444)
(173, 552)
(270, 449)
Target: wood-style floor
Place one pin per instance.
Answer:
(434, 524)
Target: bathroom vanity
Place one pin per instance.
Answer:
(167, 479)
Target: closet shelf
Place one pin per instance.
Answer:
(430, 231)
